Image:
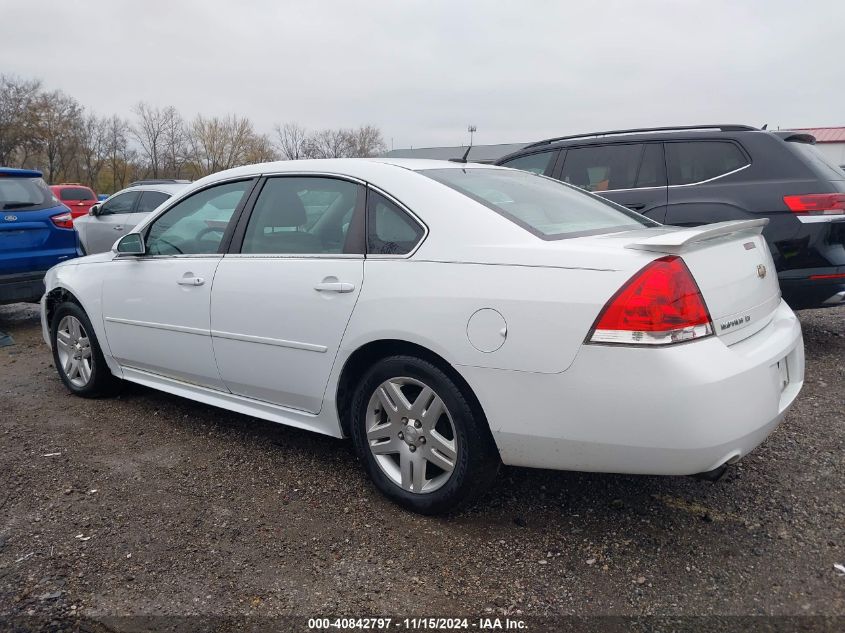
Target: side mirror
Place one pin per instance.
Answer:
(94, 210)
(129, 244)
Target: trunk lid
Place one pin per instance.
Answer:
(733, 268)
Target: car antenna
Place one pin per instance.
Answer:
(463, 159)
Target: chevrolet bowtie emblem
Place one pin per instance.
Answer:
(761, 271)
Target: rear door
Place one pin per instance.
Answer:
(283, 297)
(630, 174)
(702, 185)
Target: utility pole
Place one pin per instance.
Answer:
(472, 130)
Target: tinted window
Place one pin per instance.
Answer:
(195, 225)
(301, 216)
(390, 231)
(150, 200)
(652, 171)
(696, 161)
(603, 167)
(535, 163)
(812, 154)
(77, 194)
(547, 208)
(121, 203)
(25, 194)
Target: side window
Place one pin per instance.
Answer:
(195, 225)
(602, 167)
(390, 231)
(540, 163)
(150, 200)
(301, 215)
(652, 168)
(120, 204)
(696, 161)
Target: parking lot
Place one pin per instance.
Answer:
(148, 503)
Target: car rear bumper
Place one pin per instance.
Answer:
(671, 411)
(17, 287)
(813, 288)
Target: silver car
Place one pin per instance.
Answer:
(120, 213)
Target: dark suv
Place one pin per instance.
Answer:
(694, 175)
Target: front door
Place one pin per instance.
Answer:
(104, 229)
(156, 306)
(283, 298)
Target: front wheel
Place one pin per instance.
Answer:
(419, 438)
(77, 354)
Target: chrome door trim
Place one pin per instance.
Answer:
(265, 340)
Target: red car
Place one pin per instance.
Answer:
(78, 198)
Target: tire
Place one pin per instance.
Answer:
(77, 356)
(420, 440)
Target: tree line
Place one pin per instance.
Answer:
(51, 131)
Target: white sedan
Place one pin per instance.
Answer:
(448, 317)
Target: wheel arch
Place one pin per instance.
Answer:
(369, 353)
(56, 296)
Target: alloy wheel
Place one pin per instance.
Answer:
(74, 351)
(411, 435)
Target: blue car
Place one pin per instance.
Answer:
(36, 233)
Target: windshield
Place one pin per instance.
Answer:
(547, 208)
(25, 194)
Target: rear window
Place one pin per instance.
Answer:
(547, 208)
(77, 194)
(25, 194)
(812, 155)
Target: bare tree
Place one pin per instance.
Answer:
(59, 122)
(217, 143)
(119, 153)
(367, 141)
(292, 139)
(329, 144)
(17, 120)
(174, 143)
(93, 149)
(149, 131)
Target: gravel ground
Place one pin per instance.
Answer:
(151, 504)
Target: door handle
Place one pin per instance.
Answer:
(636, 206)
(117, 228)
(190, 280)
(334, 286)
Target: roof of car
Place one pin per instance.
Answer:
(362, 168)
(169, 188)
(13, 172)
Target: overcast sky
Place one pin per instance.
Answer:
(421, 70)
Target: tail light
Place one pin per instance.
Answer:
(817, 203)
(659, 305)
(63, 220)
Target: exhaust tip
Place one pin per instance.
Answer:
(713, 475)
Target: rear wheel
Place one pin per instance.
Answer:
(419, 438)
(77, 354)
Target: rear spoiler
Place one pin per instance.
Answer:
(676, 241)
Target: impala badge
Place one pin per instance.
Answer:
(761, 271)
(10, 218)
